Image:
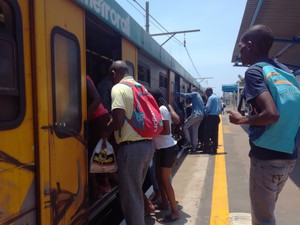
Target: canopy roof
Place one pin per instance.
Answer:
(283, 17)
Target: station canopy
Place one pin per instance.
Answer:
(283, 17)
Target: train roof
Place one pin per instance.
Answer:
(283, 18)
(116, 17)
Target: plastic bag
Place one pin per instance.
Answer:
(103, 159)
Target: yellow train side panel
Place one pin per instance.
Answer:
(68, 157)
(17, 152)
(63, 161)
(129, 52)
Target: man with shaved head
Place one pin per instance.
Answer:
(270, 168)
(135, 152)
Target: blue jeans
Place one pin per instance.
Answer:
(267, 179)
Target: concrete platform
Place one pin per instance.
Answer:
(213, 189)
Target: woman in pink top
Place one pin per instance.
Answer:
(98, 118)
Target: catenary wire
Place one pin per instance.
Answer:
(164, 29)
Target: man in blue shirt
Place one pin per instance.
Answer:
(194, 120)
(269, 169)
(212, 111)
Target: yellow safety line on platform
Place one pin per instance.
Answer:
(219, 207)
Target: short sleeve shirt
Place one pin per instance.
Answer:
(254, 86)
(214, 105)
(122, 98)
(164, 141)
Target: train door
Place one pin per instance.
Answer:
(103, 46)
(164, 85)
(61, 104)
(177, 85)
(18, 199)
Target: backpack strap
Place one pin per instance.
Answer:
(262, 64)
(134, 87)
(270, 70)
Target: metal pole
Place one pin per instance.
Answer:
(176, 32)
(147, 17)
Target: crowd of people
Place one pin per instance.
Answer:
(201, 126)
(194, 127)
(109, 116)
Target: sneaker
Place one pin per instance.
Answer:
(149, 209)
(193, 151)
(187, 145)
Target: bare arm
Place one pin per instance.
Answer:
(166, 128)
(93, 96)
(117, 121)
(268, 115)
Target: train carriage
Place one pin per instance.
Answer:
(47, 49)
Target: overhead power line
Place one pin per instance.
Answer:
(191, 61)
(136, 8)
(172, 34)
(175, 39)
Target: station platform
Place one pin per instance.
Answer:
(213, 189)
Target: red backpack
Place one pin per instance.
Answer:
(146, 119)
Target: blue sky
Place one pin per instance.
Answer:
(211, 48)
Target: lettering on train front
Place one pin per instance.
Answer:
(104, 10)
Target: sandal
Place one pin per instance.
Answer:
(149, 211)
(169, 218)
(161, 207)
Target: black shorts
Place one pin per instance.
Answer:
(166, 157)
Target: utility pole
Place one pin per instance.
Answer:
(147, 17)
(167, 33)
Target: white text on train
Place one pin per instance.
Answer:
(108, 13)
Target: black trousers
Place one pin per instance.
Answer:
(201, 131)
(211, 133)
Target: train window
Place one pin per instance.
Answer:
(163, 81)
(130, 68)
(66, 83)
(183, 88)
(144, 73)
(7, 21)
(12, 85)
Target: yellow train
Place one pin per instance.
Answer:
(46, 49)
